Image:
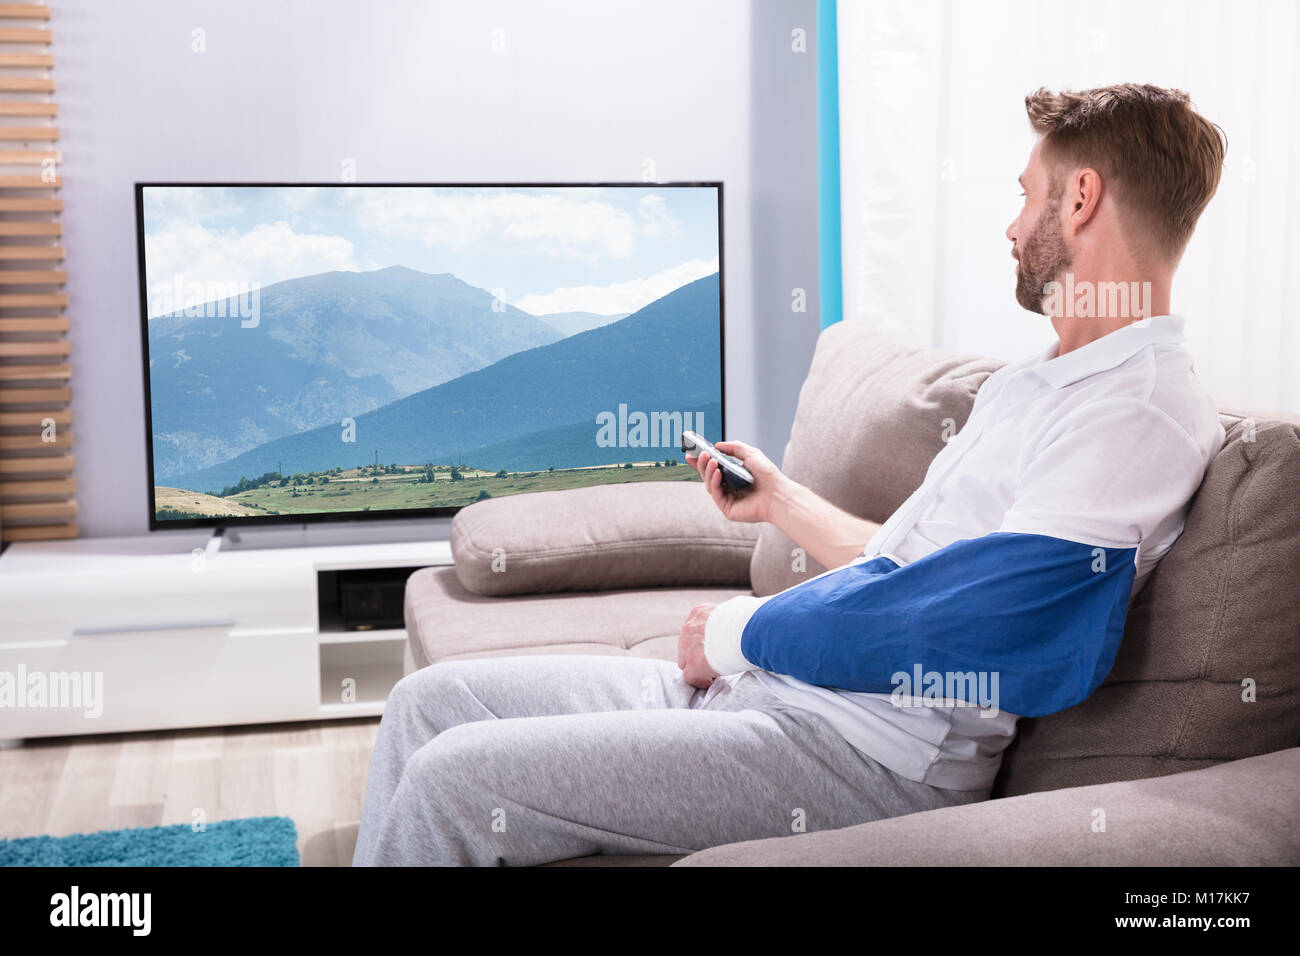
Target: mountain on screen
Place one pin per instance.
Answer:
(323, 347)
(534, 409)
(571, 323)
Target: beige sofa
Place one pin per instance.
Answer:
(1187, 753)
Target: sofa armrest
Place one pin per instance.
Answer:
(1240, 813)
(639, 534)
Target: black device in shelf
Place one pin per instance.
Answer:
(362, 598)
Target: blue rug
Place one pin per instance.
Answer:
(253, 841)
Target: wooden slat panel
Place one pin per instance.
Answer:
(23, 228)
(37, 532)
(54, 323)
(44, 61)
(26, 84)
(33, 276)
(37, 486)
(25, 36)
(30, 182)
(37, 466)
(51, 301)
(30, 204)
(24, 11)
(26, 396)
(34, 373)
(45, 486)
(22, 108)
(15, 349)
(29, 132)
(40, 509)
(29, 157)
(62, 439)
(34, 419)
(32, 252)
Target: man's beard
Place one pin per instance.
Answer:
(1044, 257)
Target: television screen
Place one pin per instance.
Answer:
(346, 351)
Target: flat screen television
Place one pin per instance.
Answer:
(338, 351)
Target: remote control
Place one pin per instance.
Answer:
(734, 473)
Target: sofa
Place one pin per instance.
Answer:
(1188, 752)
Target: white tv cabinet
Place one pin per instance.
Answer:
(189, 638)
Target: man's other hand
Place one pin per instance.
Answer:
(690, 648)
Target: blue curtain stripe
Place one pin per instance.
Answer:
(830, 282)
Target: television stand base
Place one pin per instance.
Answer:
(218, 536)
(145, 633)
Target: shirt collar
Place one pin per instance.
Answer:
(1108, 351)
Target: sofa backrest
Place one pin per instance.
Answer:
(872, 414)
(1209, 668)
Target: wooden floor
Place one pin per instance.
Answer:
(312, 773)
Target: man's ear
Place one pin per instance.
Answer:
(1083, 197)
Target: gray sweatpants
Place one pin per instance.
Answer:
(525, 760)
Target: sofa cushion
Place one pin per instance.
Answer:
(443, 620)
(1236, 814)
(1219, 617)
(638, 534)
(872, 415)
(610, 859)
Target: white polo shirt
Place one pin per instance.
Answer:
(1104, 446)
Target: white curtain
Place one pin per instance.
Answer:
(933, 135)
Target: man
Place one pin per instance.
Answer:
(1007, 574)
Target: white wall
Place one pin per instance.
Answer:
(412, 91)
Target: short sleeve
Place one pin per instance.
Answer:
(1116, 473)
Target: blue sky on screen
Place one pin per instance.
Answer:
(548, 249)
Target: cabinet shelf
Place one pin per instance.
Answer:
(281, 653)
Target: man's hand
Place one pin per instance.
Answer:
(690, 648)
(752, 504)
(827, 532)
